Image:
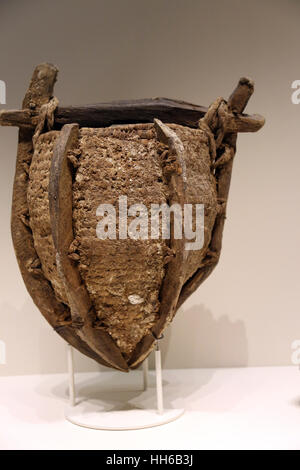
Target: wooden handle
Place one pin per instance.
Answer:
(131, 112)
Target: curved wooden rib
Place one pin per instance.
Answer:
(39, 93)
(60, 201)
(173, 280)
(236, 103)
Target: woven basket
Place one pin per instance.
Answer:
(113, 298)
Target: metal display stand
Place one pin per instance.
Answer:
(98, 413)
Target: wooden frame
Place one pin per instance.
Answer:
(223, 120)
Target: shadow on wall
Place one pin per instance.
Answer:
(210, 342)
(35, 348)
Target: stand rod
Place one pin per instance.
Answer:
(71, 375)
(145, 373)
(159, 389)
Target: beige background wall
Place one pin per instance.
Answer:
(247, 312)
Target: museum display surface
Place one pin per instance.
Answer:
(112, 298)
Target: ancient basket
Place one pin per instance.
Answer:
(111, 299)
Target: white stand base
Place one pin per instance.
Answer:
(92, 414)
(116, 412)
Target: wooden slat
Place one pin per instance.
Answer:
(237, 103)
(60, 201)
(41, 291)
(174, 276)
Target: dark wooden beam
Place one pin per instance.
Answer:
(130, 112)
